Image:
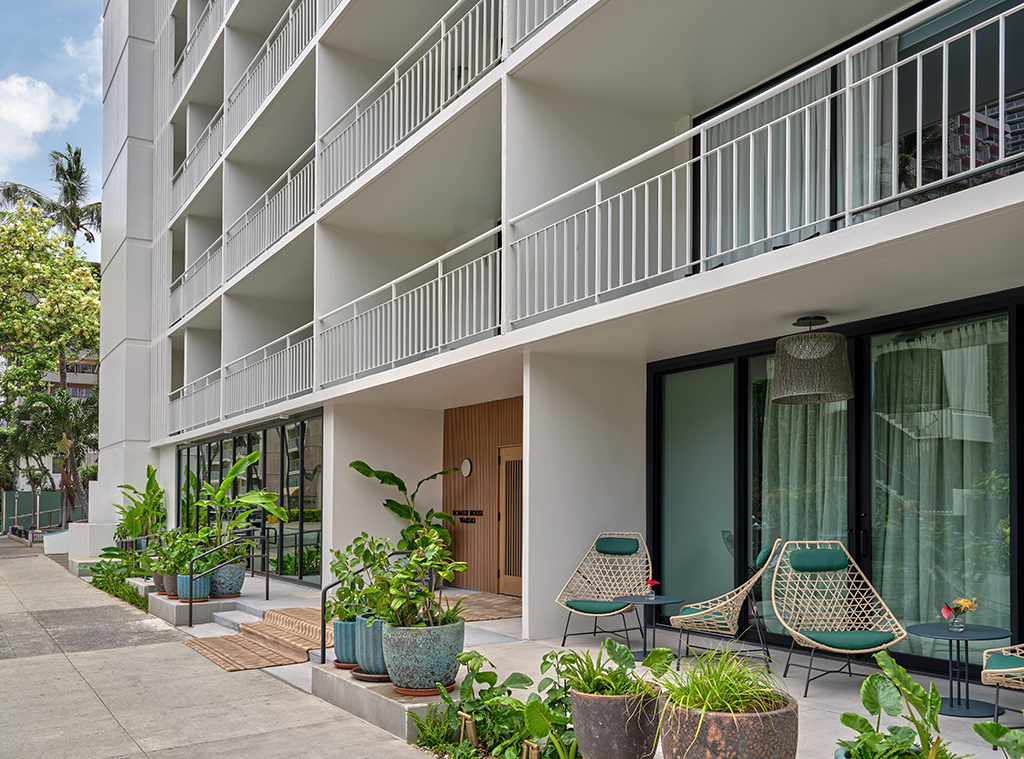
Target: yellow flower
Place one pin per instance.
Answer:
(966, 604)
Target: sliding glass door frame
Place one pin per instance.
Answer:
(860, 485)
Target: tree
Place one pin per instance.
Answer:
(49, 311)
(69, 209)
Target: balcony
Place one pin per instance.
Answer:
(194, 405)
(287, 40)
(199, 42)
(197, 283)
(446, 61)
(530, 15)
(440, 305)
(279, 210)
(276, 372)
(198, 162)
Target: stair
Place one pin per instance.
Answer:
(283, 636)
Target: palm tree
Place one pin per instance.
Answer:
(69, 209)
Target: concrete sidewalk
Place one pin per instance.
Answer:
(83, 674)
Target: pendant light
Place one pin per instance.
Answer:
(811, 367)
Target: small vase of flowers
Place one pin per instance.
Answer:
(649, 593)
(953, 613)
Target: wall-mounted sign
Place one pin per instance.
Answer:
(467, 516)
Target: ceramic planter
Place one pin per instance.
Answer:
(226, 582)
(158, 583)
(369, 649)
(171, 585)
(759, 735)
(615, 727)
(345, 642)
(199, 591)
(420, 657)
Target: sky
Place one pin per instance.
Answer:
(50, 90)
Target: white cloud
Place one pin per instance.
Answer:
(90, 55)
(29, 108)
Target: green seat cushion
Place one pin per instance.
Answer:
(715, 616)
(818, 559)
(763, 556)
(850, 640)
(1004, 661)
(617, 546)
(595, 607)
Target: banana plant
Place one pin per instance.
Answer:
(406, 509)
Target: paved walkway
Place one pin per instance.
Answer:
(83, 675)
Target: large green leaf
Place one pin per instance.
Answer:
(658, 661)
(878, 694)
(517, 680)
(1010, 741)
(857, 722)
(620, 654)
(382, 476)
(403, 510)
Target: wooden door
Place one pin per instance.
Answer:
(510, 520)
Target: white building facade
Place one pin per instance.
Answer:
(332, 223)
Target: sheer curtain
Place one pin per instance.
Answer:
(941, 470)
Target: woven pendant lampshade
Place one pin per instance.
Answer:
(811, 367)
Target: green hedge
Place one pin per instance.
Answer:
(308, 515)
(120, 588)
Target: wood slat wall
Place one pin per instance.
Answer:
(475, 433)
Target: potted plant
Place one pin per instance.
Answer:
(146, 514)
(190, 587)
(421, 640)
(173, 560)
(406, 508)
(349, 602)
(614, 707)
(726, 704)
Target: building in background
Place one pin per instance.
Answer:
(558, 241)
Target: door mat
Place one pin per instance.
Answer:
(478, 607)
(237, 652)
(284, 636)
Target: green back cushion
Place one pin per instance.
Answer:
(763, 556)
(595, 607)
(818, 560)
(617, 546)
(1004, 661)
(850, 640)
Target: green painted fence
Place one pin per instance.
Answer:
(17, 508)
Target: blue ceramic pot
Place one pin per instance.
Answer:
(345, 641)
(226, 582)
(418, 658)
(200, 590)
(369, 651)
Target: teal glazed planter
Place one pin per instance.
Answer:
(418, 658)
(226, 582)
(200, 590)
(345, 641)
(369, 648)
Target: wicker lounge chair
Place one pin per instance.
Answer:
(721, 615)
(826, 603)
(1003, 668)
(618, 564)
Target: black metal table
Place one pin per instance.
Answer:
(645, 602)
(960, 706)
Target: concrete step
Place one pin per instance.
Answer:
(232, 619)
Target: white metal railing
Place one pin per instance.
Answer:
(529, 15)
(198, 162)
(198, 282)
(280, 370)
(437, 305)
(287, 203)
(194, 405)
(846, 141)
(456, 52)
(327, 7)
(288, 38)
(198, 43)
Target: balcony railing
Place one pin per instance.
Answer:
(197, 283)
(289, 38)
(198, 162)
(195, 405)
(439, 305)
(449, 58)
(276, 372)
(853, 138)
(198, 43)
(530, 15)
(281, 208)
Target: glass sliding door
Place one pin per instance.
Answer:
(697, 484)
(941, 471)
(798, 472)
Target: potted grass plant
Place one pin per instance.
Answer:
(614, 705)
(726, 704)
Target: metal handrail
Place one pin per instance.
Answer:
(252, 566)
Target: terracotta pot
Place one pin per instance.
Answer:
(158, 582)
(717, 735)
(615, 727)
(420, 657)
(171, 585)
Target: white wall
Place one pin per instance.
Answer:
(342, 78)
(408, 442)
(584, 445)
(200, 232)
(202, 352)
(250, 323)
